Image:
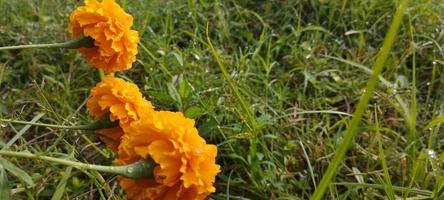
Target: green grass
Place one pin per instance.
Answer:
(273, 84)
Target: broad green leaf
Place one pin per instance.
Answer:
(193, 112)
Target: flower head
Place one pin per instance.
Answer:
(186, 164)
(120, 98)
(115, 44)
(123, 101)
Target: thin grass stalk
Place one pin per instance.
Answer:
(73, 44)
(363, 102)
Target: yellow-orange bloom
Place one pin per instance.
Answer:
(186, 164)
(115, 44)
(122, 100)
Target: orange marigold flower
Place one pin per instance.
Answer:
(115, 44)
(186, 164)
(123, 101)
(120, 98)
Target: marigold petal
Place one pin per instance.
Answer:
(111, 137)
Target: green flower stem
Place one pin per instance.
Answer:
(102, 123)
(73, 44)
(140, 169)
(363, 103)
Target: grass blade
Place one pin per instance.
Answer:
(435, 122)
(395, 188)
(363, 102)
(4, 184)
(16, 171)
(233, 87)
(388, 183)
(22, 131)
(58, 194)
